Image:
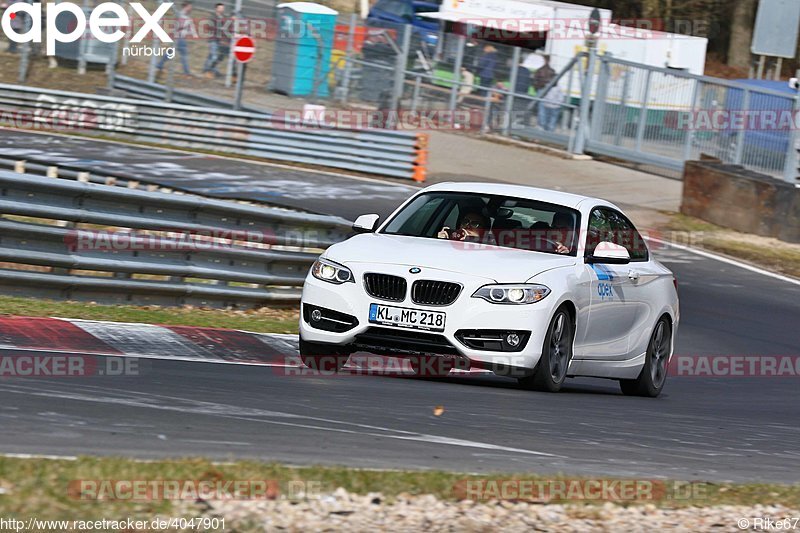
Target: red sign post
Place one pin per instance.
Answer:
(244, 49)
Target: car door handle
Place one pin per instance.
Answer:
(633, 275)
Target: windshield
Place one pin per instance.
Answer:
(488, 219)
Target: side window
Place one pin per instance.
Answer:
(626, 235)
(612, 226)
(599, 230)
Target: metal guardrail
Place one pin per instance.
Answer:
(381, 152)
(172, 249)
(161, 93)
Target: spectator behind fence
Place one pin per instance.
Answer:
(185, 30)
(486, 66)
(550, 108)
(543, 75)
(522, 86)
(219, 44)
(467, 84)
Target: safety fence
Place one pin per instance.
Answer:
(84, 241)
(664, 117)
(285, 138)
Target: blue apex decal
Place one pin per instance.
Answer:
(602, 272)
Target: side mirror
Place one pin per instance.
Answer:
(366, 223)
(609, 253)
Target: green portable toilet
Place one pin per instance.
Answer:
(302, 57)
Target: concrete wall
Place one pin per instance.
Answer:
(730, 196)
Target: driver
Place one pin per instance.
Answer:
(470, 226)
(560, 232)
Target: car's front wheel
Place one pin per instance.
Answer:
(322, 357)
(556, 355)
(654, 372)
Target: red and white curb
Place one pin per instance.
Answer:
(177, 343)
(186, 343)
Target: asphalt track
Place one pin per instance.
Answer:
(739, 429)
(315, 191)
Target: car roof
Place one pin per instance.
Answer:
(519, 191)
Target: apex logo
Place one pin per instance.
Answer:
(105, 15)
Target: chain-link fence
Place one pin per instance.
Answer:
(660, 117)
(369, 73)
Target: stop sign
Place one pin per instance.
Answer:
(244, 48)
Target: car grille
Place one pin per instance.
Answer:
(385, 287)
(430, 292)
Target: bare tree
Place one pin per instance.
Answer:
(742, 21)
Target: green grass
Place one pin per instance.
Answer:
(265, 320)
(766, 252)
(40, 487)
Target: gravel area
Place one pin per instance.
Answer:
(355, 513)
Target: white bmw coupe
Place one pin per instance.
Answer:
(528, 283)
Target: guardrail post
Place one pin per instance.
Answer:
(586, 94)
(83, 177)
(52, 172)
(19, 167)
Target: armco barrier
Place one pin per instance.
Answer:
(176, 250)
(380, 152)
(161, 93)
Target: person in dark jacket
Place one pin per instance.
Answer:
(522, 86)
(218, 44)
(486, 66)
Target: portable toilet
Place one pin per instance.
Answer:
(302, 56)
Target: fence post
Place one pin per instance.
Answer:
(739, 152)
(454, 90)
(237, 17)
(348, 57)
(642, 124)
(586, 92)
(687, 147)
(791, 163)
(512, 87)
(599, 109)
(623, 105)
(400, 76)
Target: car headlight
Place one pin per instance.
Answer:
(512, 294)
(331, 272)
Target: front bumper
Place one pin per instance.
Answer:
(464, 317)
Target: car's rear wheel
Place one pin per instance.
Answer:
(651, 379)
(556, 355)
(322, 357)
(431, 366)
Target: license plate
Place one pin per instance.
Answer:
(406, 318)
